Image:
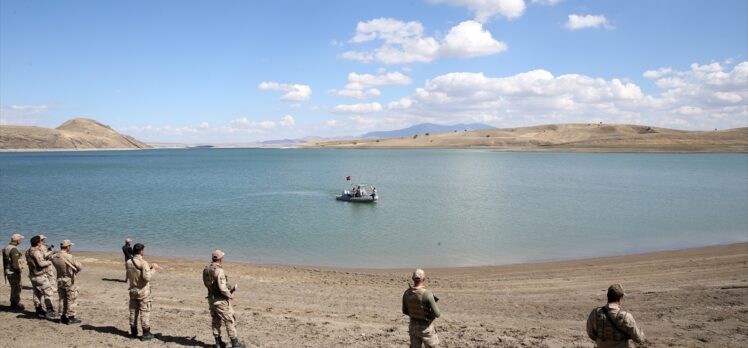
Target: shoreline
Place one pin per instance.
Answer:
(695, 297)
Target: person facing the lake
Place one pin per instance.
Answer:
(12, 270)
(127, 250)
(219, 300)
(420, 305)
(49, 252)
(139, 275)
(611, 327)
(38, 271)
(67, 267)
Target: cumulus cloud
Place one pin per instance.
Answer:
(485, 9)
(360, 86)
(704, 97)
(404, 42)
(287, 121)
(294, 92)
(546, 2)
(361, 108)
(656, 74)
(577, 22)
(21, 114)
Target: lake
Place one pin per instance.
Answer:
(436, 208)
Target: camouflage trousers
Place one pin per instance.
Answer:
(140, 308)
(43, 291)
(15, 289)
(221, 312)
(68, 293)
(422, 333)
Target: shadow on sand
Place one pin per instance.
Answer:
(24, 314)
(182, 341)
(114, 280)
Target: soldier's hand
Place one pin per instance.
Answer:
(231, 297)
(154, 266)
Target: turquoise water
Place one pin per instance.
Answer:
(436, 208)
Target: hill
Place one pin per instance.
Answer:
(567, 137)
(425, 128)
(79, 133)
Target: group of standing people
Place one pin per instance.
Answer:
(52, 274)
(609, 326)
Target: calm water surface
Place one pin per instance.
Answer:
(436, 208)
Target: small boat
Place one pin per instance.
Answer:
(358, 194)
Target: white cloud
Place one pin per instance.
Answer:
(404, 42)
(266, 124)
(204, 125)
(546, 2)
(485, 9)
(656, 74)
(704, 97)
(287, 121)
(21, 114)
(294, 92)
(359, 86)
(362, 108)
(576, 22)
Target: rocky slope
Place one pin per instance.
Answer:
(79, 133)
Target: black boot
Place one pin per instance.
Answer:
(17, 307)
(146, 335)
(72, 320)
(236, 344)
(40, 312)
(219, 342)
(133, 331)
(51, 314)
(64, 319)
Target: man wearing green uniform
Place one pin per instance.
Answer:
(611, 327)
(38, 274)
(420, 305)
(67, 267)
(219, 300)
(12, 270)
(139, 276)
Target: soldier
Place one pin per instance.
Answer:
(38, 273)
(611, 327)
(420, 305)
(139, 276)
(219, 300)
(49, 252)
(12, 270)
(67, 267)
(127, 250)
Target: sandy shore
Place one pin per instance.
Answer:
(684, 298)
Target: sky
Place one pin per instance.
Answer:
(247, 71)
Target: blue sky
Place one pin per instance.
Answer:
(188, 71)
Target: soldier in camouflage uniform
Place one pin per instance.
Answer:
(38, 274)
(139, 276)
(67, 267)
(420, 305)
(219, 300)
(611, 327)
(12, 270)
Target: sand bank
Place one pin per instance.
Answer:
(684, 298)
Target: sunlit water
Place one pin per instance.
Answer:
(436, 208)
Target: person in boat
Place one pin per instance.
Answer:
(358, 191)
(373, 192)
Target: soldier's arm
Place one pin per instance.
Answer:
(147, 271)
(221, 279)
(405, 306)
(72, 261)
(591, 332)
(632, 329)
(429, 297)
(40, 260)
(15, 260)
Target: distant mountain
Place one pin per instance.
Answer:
(79, 133)
(426, 128)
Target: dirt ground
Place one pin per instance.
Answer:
(684, 298)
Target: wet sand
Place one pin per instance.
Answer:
(683, 298)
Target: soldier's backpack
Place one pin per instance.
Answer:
(208, 276)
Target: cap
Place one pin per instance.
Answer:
(217, 254)
(42, 237)
(615, 291)
(65, 243)
(419, 274)
(128, 240)
(16, 236)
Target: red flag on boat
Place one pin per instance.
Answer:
(348, 178)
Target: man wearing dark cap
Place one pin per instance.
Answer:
(420, 305)
(67, 267)
(12, 270)
(611, 327)
(38, 274)
(219, 300)
(139, 274)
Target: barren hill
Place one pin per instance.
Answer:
(79, 133)
(567, 137)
